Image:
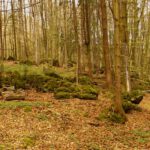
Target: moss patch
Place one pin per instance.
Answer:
(62, 95)
(29, 141)
(22, 104)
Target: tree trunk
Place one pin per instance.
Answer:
(105, 43)
(117, 48)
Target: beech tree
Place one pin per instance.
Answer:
(117, 47)
(106, 43)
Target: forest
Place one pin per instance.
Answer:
(74, 74)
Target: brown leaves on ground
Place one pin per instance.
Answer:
(72, 125)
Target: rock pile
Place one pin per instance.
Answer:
(9, 94)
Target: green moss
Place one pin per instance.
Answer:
(93, 146)
(129, 106)
(86, 96)
(103, 115)
(62, 95)
(63, 89)
(22, 104)
(45, 61)
(42, 117)
(132, 95)
(85, 80)
(28, 109)
(89, 89)
(117, 118)
(2, 147)
(51, 81)
(65, 83)
(29, 141)
(85, 92)
(51, 73)
(142, 135)
(19, 84)
(49, 86)
(28, 62)
(39, 82)
(75, 88)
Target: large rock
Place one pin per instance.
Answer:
(134, 97)
(137, 100)
(13, 95)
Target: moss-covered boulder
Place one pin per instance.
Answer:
(131, 100)
(77, 91)
(51, 73)
(63, 89)
(62, 95)
(55, 63)
(134, 97)
(89, 89)
(51, 81)
(86, 96)
(85, 80)
(64, 83)
(27, 62)
(129, 106)
(11, 58)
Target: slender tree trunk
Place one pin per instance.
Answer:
(105, 43)
(86, 14)
(78, 47)
(124, 42)
(117, 47)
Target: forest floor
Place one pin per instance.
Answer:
(43, 123)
